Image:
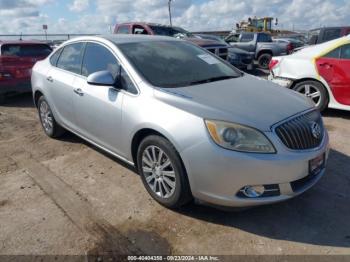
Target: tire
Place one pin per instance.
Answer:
(2, 99)
(264, 60)
(153, 176)
(315, 91)
(47, 120)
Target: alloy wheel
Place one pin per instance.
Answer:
(158, 171)
(310, 91)
(46, 116)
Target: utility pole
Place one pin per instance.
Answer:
(169, 6)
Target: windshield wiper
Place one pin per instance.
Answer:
(212, 79)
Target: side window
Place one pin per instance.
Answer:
(70, 58)
(55, 56)
(333, 54)
(98, 58)
(263, 38)
(247, 38)
(123, 29)
(139, 30)
(330, 34)
(345, 52)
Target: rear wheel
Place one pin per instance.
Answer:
(264, 60)
(48, 122)
(162, 172)
(315, 91)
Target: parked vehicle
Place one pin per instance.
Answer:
(16, 61)
(302, 37)
(192, 124)
(321, 72)
(294, 42)
(216, 47)
(260, 44)
(236, 56)
(324, 34)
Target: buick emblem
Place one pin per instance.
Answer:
(315, 130)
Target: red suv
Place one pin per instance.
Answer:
(16, 61)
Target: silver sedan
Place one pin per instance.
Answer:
(194, 126)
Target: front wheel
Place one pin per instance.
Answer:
(162, 172)
(315, 91)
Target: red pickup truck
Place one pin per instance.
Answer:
(173, 31)
(16, 61)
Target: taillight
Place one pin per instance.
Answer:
(290, 48)
(273, 63)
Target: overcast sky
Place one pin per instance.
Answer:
(96, 16)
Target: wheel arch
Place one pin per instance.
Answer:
(37, 95)
(264, 51)
(142, 134)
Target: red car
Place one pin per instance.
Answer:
(16, 61)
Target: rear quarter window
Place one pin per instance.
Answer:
(55, 56)
(71, 58)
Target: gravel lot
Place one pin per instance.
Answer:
(66, 197)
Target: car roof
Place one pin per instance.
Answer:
(146, 23)
(125, 38)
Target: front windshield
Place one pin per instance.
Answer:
(176, 63)
(170, 31)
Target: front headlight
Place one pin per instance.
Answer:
(239, 138)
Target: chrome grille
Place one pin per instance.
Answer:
(221, 52)
(300, 133)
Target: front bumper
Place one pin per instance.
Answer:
(216, 175)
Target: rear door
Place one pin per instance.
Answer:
(334, 67)
(60, 79)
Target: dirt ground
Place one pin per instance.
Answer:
(66, 197)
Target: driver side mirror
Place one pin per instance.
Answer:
(101, 78)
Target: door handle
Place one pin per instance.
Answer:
(326, 65)
(78, 91)
(50, 79)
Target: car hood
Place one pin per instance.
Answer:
(245, 100)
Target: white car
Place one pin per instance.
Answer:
(321, 72)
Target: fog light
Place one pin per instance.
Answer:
(253, 191)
